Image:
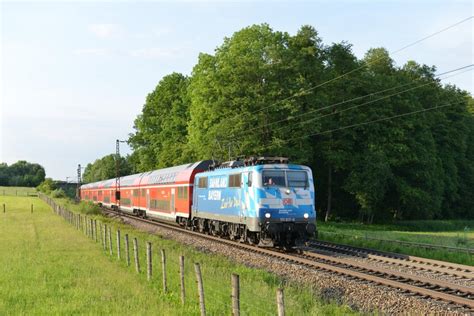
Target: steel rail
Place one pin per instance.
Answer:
(380, 279)
(448, 268)
(410, 243)
(401, 275)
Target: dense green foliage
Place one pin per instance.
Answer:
(105, 168)
(47, 186)
(264, 92)
(21, 174)
(58, 193)
(160, 140)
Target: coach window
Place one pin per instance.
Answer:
(136, 193)
(249, 180)
(202, 183)
(143, 192)
(234, 180)
(182, 193)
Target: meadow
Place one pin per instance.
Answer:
(459, 234)
(49, 267)
(17, 191)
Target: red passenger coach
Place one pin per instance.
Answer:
(164, 193)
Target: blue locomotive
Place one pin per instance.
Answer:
(263, 201)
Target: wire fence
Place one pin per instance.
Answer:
(193, 287)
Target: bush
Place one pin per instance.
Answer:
(88, 208)
(46, 186)
(58, 193)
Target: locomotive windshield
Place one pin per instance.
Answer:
(274, 178)
(280, 178)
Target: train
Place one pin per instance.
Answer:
(264, 201)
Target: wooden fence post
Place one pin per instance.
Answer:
(88, 230)
(105, 237)
(4, 208)
(91, 224)
(118, 244)
(163, 266)
(135, 253)
(101, 233)
(111, 248)
(235, 295)
(280, 302)
(181, 272)
(148, 261)
(31, 208)
(95, 229)
(197, 269)
(127, 250)
(88, 227)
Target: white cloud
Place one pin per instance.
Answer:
(92, 51)
(104, 30)
(154, 52)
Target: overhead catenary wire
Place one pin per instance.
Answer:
(299, 93)
(374, 121)
(358, 98)
(366, 103)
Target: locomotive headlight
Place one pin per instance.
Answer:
(268, 215)
(306, 215)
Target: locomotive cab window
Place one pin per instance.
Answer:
(234, 180)
(202, 183)
(297, 179)
(274, 178)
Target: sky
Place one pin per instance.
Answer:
(74, 75)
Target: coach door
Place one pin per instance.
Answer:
(172, 202)
(147, 199)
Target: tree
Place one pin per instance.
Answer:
(266, 92)
(105, 168)
(21, 173)
(160, 136)
(238, 93)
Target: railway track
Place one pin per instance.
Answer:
(458, 295)
(447, 268)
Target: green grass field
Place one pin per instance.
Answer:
(456, 234)
(49, 267)
(16, 191)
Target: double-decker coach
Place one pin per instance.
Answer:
(164, 193)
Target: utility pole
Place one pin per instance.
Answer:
(117, 171)
(79, 178)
